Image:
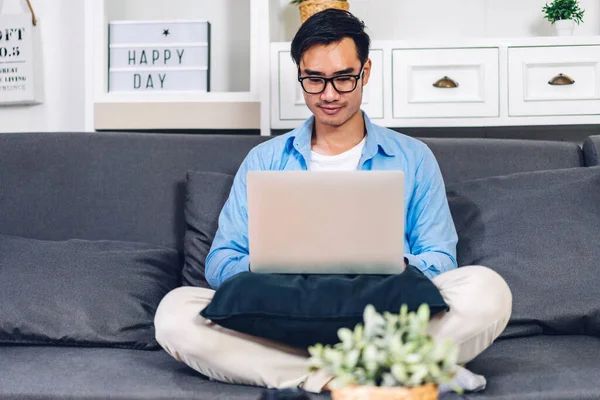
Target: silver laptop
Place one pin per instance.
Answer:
(348, 222)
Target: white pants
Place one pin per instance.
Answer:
(480, 306)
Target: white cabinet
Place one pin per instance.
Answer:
(554, 80)
(288, 95)
(464, 83)
(402, 90)
(451, 83)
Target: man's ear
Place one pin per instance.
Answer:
(366, 72)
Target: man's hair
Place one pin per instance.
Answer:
(331, 26)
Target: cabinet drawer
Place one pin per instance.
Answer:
(473, 71)
(554, 80)
(291, 98)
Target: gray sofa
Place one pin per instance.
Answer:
(131, 187)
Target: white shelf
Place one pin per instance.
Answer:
(239, 87)
(186, 97)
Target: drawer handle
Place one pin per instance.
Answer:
(561, 79)
(445, 83)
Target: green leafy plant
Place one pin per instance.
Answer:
(563, 9)
(388, 350)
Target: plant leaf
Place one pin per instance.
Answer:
(423, 313)
(352, 358)
(400, 373)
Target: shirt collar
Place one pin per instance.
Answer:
(376, 141)
(300, 139)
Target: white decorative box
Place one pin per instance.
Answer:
(159, 56)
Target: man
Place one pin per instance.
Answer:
(331, 52)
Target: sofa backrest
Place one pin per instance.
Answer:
(131, 186)
(464, 159)
(114, 186)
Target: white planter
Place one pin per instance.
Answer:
(564, 27)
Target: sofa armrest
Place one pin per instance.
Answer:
(591, 151)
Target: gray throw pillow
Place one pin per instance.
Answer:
(83, 293)
(206, 194)
(539, 231)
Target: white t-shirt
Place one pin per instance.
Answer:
(346, 161)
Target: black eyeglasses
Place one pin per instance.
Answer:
(341, 83)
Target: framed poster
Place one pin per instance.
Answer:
(21, 74)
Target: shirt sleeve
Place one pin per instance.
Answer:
(430, 229)
(229, 254)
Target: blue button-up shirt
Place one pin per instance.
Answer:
(430, 238)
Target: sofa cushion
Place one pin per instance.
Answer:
(58, 373)
(206, 193)
(302, 310)
(591, 150)
(541, 367)
(472, 158)
(539, 231)
(83, 293)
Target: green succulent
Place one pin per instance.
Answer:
(563, 9)
(387, 350)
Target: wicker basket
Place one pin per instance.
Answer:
(310, 7)
(424, 392)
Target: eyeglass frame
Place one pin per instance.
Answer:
(327, 80)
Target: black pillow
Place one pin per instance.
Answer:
(207, 192)
(539, 231)
(83, 293)
(302, 310)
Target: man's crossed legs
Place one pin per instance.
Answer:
(480, 307)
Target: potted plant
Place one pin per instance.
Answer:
(391, 356)
(563, 14)
(310, 7)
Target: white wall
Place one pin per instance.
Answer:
(435, 19)
(62, 27)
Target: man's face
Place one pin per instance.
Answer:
(331, 107)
